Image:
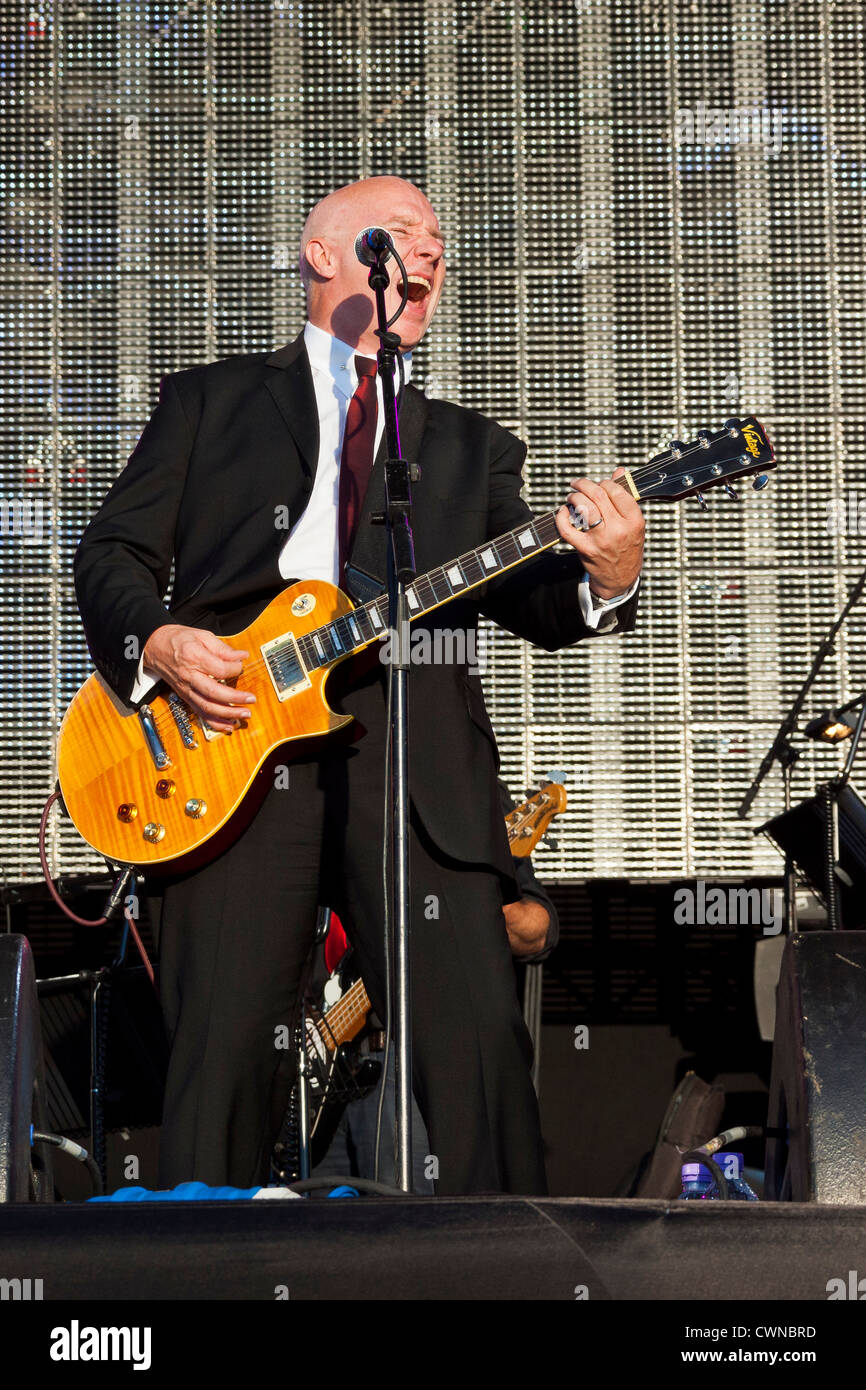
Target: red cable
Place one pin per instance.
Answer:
(140, 944)
(83, 921)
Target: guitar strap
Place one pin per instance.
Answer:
(366, 572)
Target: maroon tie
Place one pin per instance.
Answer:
(356, 460)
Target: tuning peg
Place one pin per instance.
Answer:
(732, 492)
(556, 774)
(703, 501)
(732, 425)
(760, 482)
(550, 844)
(703, 438)
(676, 447)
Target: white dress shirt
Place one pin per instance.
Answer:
(312, 548)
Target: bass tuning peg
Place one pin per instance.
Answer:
(760, 482)
(732, 492)
(702, 501)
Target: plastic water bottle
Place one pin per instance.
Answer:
(699, 1184)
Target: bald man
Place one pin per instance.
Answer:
(232, 450)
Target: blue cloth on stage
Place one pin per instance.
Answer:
(184, 1192)
(200, 1192)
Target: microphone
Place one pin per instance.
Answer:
(370, 243)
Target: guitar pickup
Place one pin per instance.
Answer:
(285, 668)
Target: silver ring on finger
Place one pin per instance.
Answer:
(595, 523)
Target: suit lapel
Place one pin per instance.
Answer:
(369, 553)
(291, 386)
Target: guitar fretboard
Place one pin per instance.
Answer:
(345, 1018)
(370, 620)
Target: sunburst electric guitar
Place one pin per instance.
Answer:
(151, 786)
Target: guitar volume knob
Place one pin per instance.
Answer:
(195, 808)
(153, 832)
(127, 812)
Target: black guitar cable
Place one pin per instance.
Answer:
(74, 1150)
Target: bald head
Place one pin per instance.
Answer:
(339, 298)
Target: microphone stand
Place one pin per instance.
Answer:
(401, 572)
(783, 751)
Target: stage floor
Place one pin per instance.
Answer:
(433, 1248)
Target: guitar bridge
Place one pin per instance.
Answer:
(183, 720)
(285, 667)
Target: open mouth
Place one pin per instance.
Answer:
(418, 288)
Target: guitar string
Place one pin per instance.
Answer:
(349, 1005)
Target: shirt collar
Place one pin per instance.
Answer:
(336, 359)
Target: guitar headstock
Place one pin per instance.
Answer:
(740, 449)
(529, 821)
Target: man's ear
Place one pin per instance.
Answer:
(320, 259)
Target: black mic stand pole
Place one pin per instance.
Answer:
(783, 750)
(401, 572)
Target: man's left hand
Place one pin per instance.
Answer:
(612, 550)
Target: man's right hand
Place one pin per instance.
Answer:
(195, 663)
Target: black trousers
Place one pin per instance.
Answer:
(234, 937)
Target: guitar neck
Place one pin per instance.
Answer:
(738, 450)
(369, 621)
(345, 1019)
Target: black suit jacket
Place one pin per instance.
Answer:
(223, 470)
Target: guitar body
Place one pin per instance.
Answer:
(110, 781)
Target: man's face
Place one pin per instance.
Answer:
(349, 301)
